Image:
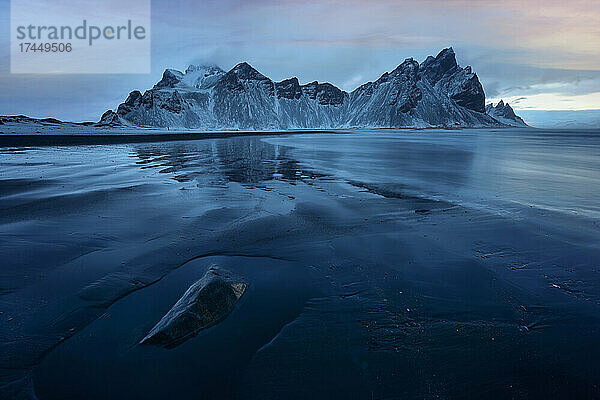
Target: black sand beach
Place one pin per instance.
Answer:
(384, 264)
(114, 137)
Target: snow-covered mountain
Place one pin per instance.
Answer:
(504, 114)
(436, 93)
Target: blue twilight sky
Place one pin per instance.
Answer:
(538, 55)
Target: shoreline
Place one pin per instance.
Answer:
(69, 139)
(143, 136)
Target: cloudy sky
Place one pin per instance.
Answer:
(538, 55)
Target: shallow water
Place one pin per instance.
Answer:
(381, 264)
(488, 169)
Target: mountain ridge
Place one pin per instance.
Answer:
(435, 93)
(504, 113)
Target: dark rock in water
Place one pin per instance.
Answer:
(206, 303)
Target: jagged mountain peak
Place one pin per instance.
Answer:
(325, 93)
(408, 67)
(504, 113)
(244, 70)
(408, 64)
(208, 67)
(435, 68)
(292, 80)
(170, 78)
(321, 85)
(447, 58)
(435, 93)
(195, 76)
(244, 78)
(243, 66)
(446, 53)
(289, 88)
(202, 76)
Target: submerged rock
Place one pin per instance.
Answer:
(207, 302)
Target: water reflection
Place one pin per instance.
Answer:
(384, 163)
(248, 161)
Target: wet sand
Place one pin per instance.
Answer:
(114, 137)
(359, 287)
